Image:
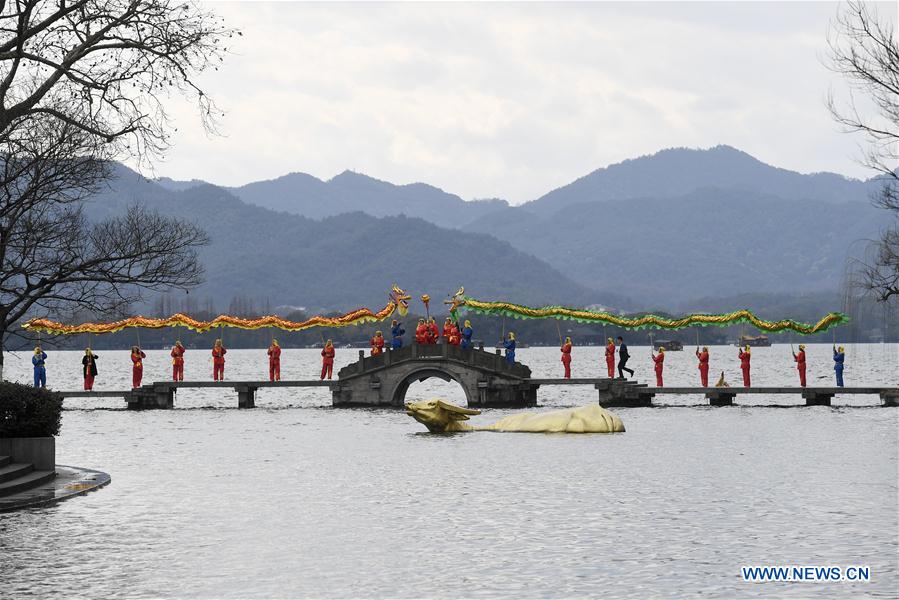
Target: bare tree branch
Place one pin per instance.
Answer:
(862, 47)
(82, 83)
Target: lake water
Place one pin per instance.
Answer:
(295, 498)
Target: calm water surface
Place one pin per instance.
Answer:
(298, 499)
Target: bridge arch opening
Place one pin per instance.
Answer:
(430, 383)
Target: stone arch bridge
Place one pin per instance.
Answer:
(487, 379)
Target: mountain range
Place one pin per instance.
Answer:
(657, 230)
(340, 262)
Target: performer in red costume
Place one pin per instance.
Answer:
(447, 330)
(274, 361)
(218, 361)
(745, 356)
(377, 344)
(327, 359)
(610, 357)
(659, 360)
(89, 368)
(703, 365)
(800, 364)
(566, 357)
(455, 336)
(178, 362)
(137, 366)
(421, 332)
(433, 331)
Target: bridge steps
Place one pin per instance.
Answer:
(29, 479)
(14, 471)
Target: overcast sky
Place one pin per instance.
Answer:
(512, 100)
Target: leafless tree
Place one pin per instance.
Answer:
(83, 82)
(862, 47)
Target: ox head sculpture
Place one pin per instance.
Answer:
(440, 416)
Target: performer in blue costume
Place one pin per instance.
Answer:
(839, 355)
(396, 333)
(40, 372)
(509, 345)
(467, 332)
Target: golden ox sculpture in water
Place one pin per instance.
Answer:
(440, 416)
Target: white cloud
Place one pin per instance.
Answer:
(507, 99)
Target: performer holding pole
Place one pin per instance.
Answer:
(377, 344)
(433, 331)
(566, 357)
(40, 370)
(177, 361)
(89, 368)
(274, 361)
(509, 345)
(455, 337)
(839, 356)
(447, 333)
(745, 366)
(800, 364)
(421, 332)
(610, 357)
(467, 332)
(659, 360)
(137, 366)
(218, 361)
(703, 365)
(327, 359)
(396, 334)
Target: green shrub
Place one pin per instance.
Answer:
(26, 411)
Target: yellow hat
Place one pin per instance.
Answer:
(802, 346)
(840, 349)
(467, 323)
(661, 349)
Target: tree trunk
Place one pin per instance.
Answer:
(2, 336)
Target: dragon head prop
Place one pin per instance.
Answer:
(455, 301)
(400, 298)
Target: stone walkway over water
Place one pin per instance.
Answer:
(487, 379)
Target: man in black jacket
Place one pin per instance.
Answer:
(622, 358)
